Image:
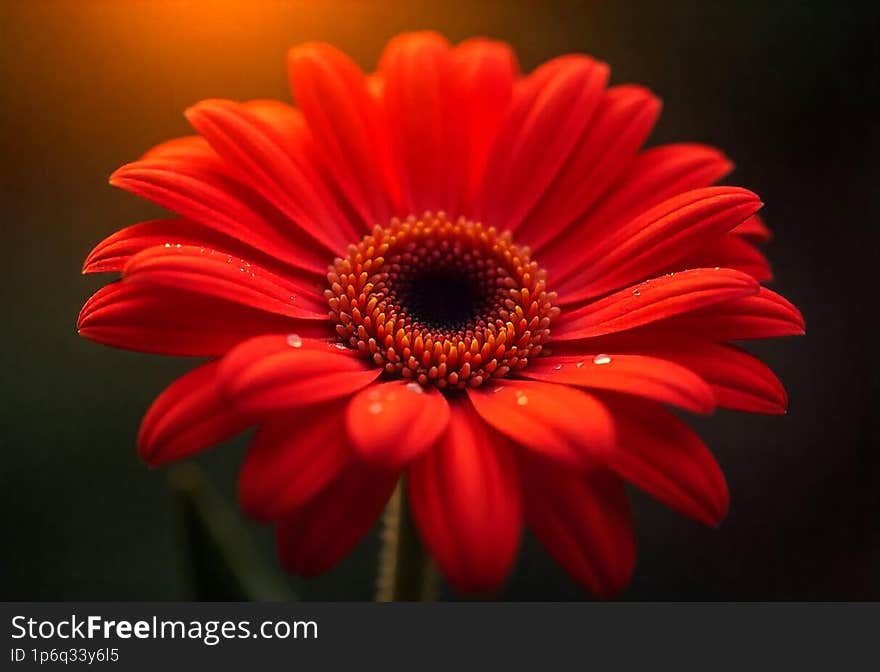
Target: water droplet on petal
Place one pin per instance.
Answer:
(602, 359)
(167, 244)
(522, 399)
(415, 388)
(375, 408)
(636, 292)
(558, 367)
(580, 365)
(717, 268)
(293, 297)
(294, 341)
(178, 246)
(340, 346)
(497, 390)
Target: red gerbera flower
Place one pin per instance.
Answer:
(516, 292)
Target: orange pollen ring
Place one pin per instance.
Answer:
(445, 303)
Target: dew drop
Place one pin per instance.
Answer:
(340, 346)
(717, 268)
(178, 246)
(580, 365)
(415, 388)
(292, 297)
(636, 292)
(167, 244)
(375, 408)
(497, 390)
(294, 341)
(522, 399)
(558, 367)
(602, 359)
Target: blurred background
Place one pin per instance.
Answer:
(788, 89)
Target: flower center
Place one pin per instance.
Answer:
(443, 303)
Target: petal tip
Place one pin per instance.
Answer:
(90, 264)
(306, 51)
(82, 318)
(120, 176)
(206, 108)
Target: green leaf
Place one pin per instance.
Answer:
(220, 557)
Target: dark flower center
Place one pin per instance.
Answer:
(440, 298)
(444, 303)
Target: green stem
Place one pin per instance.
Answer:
(406, 573)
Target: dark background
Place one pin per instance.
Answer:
(788, 89)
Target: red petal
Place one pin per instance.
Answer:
(659, 454)
(198, 186)
(170, 321)
(763, 315)
(654, 176)
(654, 300)
(548, 115)
(291, 458)
(648, 377)
(621, 124)
(753, 230)
(192, 147)
(392, 423)
(584, 521)
(665, 234)
(557, 421)
(729, 251)
(332, 92)
(481, 85)
(189, 416)
(112, 253)
(276, 163)
(415, 70)
(275, 373)
(465, 500)
(661, 236)
(219, 275)
(739, 380)
(321, 533)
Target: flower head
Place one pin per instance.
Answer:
(454, 272)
